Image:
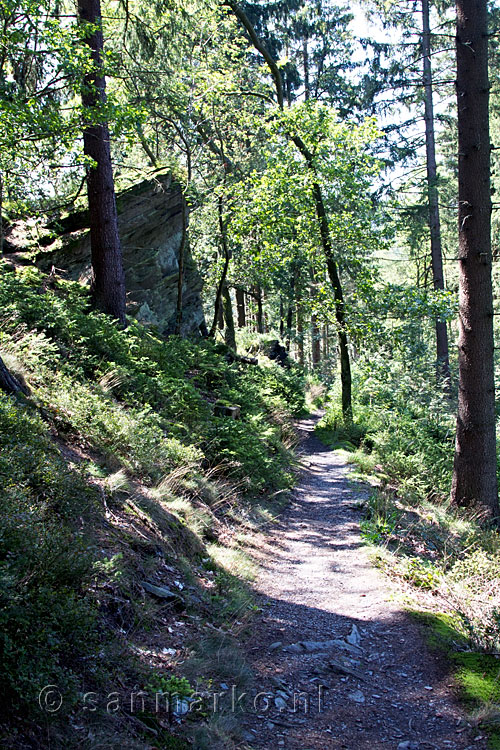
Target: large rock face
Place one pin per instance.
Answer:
(150, 225)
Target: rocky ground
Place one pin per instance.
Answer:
(338, 663)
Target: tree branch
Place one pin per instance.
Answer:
(260, 47)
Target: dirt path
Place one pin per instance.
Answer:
(382, 686)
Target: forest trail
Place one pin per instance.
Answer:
(383, 687)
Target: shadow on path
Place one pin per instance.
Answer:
(316, 583)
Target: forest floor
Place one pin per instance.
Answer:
(337, 661)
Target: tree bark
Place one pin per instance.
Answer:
(442, 353)
(333, 274)
(218, 311)
(229, 333)
(260, 312)
(289, 324)
(474, 481)
(289, 314)
(108, 287)
(315, 332)
(240, 308)
(261, 48)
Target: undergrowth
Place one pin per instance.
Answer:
(446, 562)
(113, 472)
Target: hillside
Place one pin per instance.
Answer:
(118, 477)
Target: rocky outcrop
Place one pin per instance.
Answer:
(150, 225)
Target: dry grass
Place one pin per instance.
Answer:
(444, 558)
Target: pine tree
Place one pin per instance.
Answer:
(474, 481)
(109, 279)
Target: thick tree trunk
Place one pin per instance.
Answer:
(474, 474)
(443, 359)
(109, 280)
(240, 307)
(229, 334)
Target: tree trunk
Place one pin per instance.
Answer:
(305, 59)
(345, 361)
(443, 359)
(265, 326)
(289, 314)
(474, 481)
(315, 342)
(315, 332)
(240, 307)
(333, 274)
(299, 320)
(260, 312)
(289, 324)
(282, 321)
(345, 364)
(229, 336)
(325, 342)
(180, 281)
(109, 280)
(218, 311)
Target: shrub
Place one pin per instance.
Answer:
(47, 623)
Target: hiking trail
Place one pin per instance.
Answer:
(331, 634)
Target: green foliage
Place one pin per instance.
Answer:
(47, 622)
(335, 431)
(275, 224)
(478, 674)
(143, 406)
(141, 401)
(421, 573)
(380, 522)
(402, 418)
(170, 686)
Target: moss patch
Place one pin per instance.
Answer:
(477, 674)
